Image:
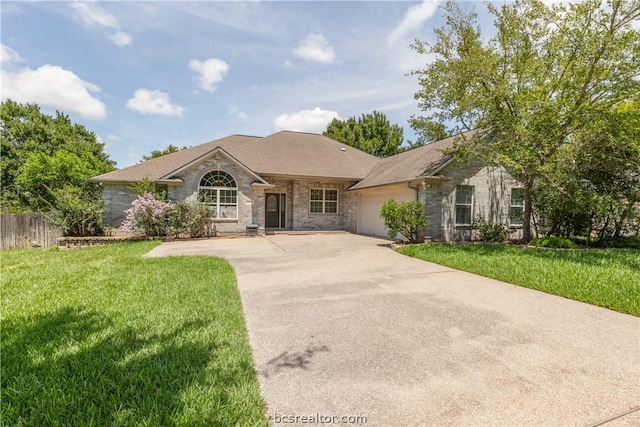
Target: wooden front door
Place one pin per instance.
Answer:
(275, 214)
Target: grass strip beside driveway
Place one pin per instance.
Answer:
(102, 336)
(607, 278)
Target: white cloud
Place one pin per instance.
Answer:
(90, 14)
(237, 113)
(55, 87)
(211, 71)
(121, 39)
(414, 18)
(9, 55)
(288, 64)
(315, 120)
(316, 48)
(113, 137)
(147, 101)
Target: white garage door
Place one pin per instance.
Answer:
(369, 221)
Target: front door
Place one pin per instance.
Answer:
(275, 214)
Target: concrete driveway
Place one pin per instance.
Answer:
(342, 326)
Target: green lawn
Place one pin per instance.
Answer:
(608, 278)
(102, 336)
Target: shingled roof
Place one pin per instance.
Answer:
(160, 167)
(411, 165)
(283, 153)
(305, 154)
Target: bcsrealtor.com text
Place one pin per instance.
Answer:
(318, 419)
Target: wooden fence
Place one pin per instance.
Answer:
(27, 230)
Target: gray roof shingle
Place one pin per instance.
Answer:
(300, 154)
(283, 153)
(410, 165)
(159, 167)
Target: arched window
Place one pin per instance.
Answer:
(218, 189)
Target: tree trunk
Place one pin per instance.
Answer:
(528, 208)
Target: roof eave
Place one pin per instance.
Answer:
(292, 176)
(418, 179)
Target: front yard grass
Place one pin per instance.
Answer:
(607, 278)
(102, 336)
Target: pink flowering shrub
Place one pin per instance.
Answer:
(147, 216)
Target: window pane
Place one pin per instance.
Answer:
(464, 195)
(463, 214)
(331, 194)
(228, 196)
(516, 215)
(217, 179)
(517, 197)
(316, 207)
(228, 212)
(207, 196)
(272, 203)
(331, 207)
(316, 194)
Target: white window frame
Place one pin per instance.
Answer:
(512, 206)
(324, 201)
(470, 205)
(217, 189)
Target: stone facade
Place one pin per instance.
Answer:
(117, 199)
(251, 199)
(491, 199)
(246, 194)
(298, 215)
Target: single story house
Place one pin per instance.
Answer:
(303, 181)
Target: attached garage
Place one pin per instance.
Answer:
(371, 200)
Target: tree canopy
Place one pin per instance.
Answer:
(539, 88)
(159, 153)
(372, 133)
(42, 154)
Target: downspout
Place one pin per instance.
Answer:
(417, 190)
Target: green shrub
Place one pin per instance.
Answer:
(489, 231)
(78, 214)
(407, 219)
(552, 242)
(627, 242)
(191, 218)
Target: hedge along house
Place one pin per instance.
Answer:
(303, 181)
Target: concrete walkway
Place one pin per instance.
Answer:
(342, 326)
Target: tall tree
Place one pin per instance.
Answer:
(41, 153)
(549, 71)
(159, 153)
(372, 133)
(595, 184)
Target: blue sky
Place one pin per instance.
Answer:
(146, 74)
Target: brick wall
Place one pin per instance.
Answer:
(491, 199)
(117, 199)
(247, 196)
(298, 194)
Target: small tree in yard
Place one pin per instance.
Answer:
(407, 219)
